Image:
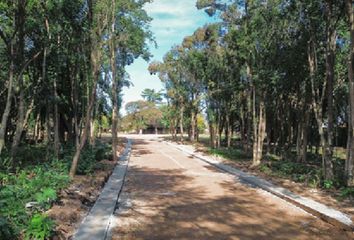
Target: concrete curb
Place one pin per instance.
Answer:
(324, 212)
(95, 225)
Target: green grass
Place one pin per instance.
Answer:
(38, 180)
(37, 184)
(309, 173)
(233, 153)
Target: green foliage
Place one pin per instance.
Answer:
(6, 231)
(5, 162)
(264, 168)
(89, 157)
(34, 184)
(296, 171)
(38, 184)
(87, 161)
(45, 197)
(151, 95)
(40, 227)
(140, 115)
(347, 192)
(233, 154)
(327, 184)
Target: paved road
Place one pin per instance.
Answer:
(169, 195)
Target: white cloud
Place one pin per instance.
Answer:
(171, 19)
(176, 8)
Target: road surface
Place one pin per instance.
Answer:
(170, 195)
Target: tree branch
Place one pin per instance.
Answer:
(3, 37)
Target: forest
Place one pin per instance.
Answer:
(62, 69)
(277, 75)
(272, 80)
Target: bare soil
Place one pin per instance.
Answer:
(76, 201)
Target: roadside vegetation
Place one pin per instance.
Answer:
(278, 75)
(62, 69)
(308, 173)
(29, 191)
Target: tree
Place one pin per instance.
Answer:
(151, 95)
(349, 166)
(141, 114)
(270, 70)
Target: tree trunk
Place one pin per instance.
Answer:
(181, 121)
(95, 62)
(20, 60)
(228, 130)
(56, 120)
(192, 126)
(74, 100)
(304, 142)
(299, 140)
(301, 143)
(114, 95)
(255, 159)
(6, 114)
(330, 61)
(92, 139)
(219, 128)
(20, 122)
(83, 138)
(349, 166)
(196, 131)
(37, 127)
(23, 115)
(260, 136)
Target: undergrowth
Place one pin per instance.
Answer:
(309, 173)
(29, 191)
(25, 195)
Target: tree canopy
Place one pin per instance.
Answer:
(276, 73)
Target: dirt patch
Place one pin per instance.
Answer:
(76, 200)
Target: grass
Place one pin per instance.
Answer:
(232, 153)
(35, 183)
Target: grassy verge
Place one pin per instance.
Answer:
(27, 193)
(309, 173)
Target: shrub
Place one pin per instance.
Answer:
(88, 158)
(46, 197)
(347, 192)
(6, 231)
(40, 227)
(38, 184)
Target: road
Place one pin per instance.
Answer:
(169, 195)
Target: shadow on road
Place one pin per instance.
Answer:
(172, 204)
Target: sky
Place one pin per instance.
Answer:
(172, 21)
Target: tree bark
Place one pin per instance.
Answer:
(20, 61)
(330, 61)
(349, 166)
(95, 61)
(256, 122)
(114, 88)
(228, 130)
(181, 118)
(192, 126)
(259, 136)
(6, 114)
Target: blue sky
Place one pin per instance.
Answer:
(172, 21)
